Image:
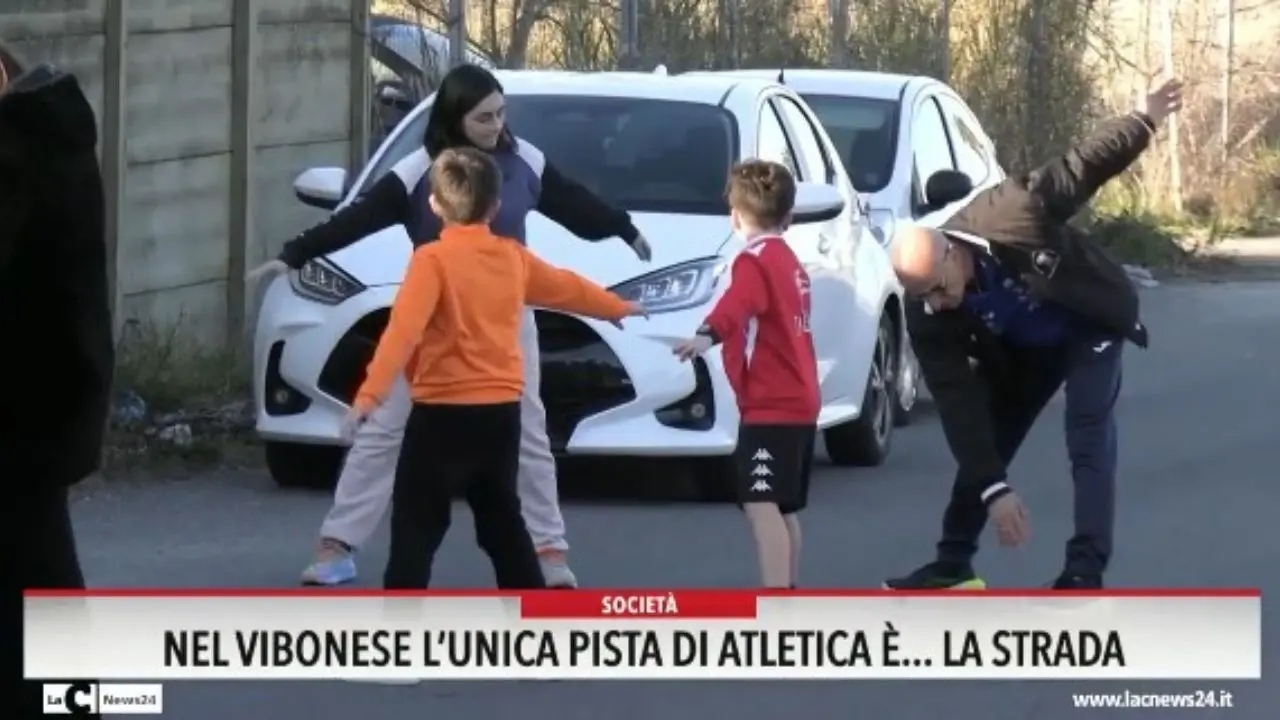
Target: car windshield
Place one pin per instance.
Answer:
(865, 133)
(640, 155)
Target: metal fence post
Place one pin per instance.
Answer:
(244, 52)
(115, 161)
(629, 35)
(361, 85)
(735, 38)
(839, 9)
(946, 41)
(457, 32)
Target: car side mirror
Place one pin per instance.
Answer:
(816, 203)
(945, 187)
(321, 187)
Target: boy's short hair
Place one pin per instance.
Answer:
(465, 183)
(763, 191)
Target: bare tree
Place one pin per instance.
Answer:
(1175, 151)
(1228, 69)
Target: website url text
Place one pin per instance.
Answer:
(1127, 699)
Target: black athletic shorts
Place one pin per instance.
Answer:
(773, 463)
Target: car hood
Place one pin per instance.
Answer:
(381, 258)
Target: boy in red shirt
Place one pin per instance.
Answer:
(763, 322)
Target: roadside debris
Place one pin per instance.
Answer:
(138, 431)
(1141, 276)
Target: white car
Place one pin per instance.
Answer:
(895, 134)
(660, 148)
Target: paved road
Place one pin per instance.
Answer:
(1198, 506)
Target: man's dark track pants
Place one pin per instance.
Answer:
(1089, 369)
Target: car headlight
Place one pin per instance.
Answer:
(324, 282)
(675, 288)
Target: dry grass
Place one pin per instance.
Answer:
(195, 408)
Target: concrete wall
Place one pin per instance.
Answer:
(208, 109)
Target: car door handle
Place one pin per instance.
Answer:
(824, 244)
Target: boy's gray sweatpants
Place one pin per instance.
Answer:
(364, 487)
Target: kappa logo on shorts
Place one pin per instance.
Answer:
(761, 486)
(762, 455)
(761, 471)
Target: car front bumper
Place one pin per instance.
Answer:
(606, 391)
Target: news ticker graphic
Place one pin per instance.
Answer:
(645, 634)
(86, 698)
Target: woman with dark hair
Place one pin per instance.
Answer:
(53, 286)
(469, 111)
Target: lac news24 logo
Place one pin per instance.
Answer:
(86, 699)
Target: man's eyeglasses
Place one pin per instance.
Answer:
(939, 289)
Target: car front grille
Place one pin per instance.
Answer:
(345, 370)
(581, 375)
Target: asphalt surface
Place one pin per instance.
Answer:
(1198, 499)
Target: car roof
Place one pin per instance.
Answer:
(413, 43)
(708, 89)
(877, 85)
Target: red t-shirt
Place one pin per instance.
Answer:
(763, 321)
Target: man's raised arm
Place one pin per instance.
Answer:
(1066, 183)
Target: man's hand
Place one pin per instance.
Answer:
(635, 310)
(351, 424)
(1163, 101)
(693, 347)
(642, 249)
(1010, 517)
(266, 269)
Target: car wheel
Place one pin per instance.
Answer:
(295, 465)
(865, 442)
(906, 384)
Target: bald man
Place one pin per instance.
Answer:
(1006, 282)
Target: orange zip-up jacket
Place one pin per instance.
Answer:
(455, 325)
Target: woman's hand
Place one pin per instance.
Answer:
(642, 249)
(269, 268)
(351, 424)
(635, 310)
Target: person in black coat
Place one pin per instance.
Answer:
(55, 320)
(1011, 303)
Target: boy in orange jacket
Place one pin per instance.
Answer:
(454, 332)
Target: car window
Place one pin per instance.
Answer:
(641, 155)
(930, 148)
(772, 142)
(972, 157)
(813, 157)
(865, 134)
(380, 72)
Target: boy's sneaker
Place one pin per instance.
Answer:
(333, 565)
(938, 575)
(1077, 582)
(555, 570)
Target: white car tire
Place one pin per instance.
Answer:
(295, 465)
(866, 441)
